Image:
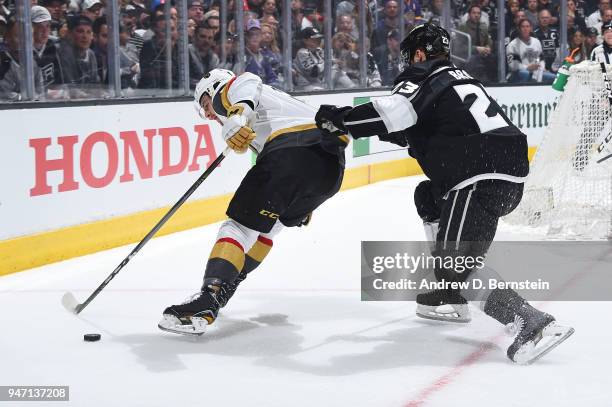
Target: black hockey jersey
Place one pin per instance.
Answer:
(550, 44)
(49, 63)
(454, 129)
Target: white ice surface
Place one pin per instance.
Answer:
(295, 334)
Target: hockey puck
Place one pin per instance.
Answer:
(91, 337)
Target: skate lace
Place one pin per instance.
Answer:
(515, 328)
(192, 297)
(195, 296)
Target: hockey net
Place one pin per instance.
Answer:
(568, 193)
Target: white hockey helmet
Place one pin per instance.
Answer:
(210, 84)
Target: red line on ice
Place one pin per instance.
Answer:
(447, 378)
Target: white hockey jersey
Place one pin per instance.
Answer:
(271, 113)
(601, 53)
(520, 54)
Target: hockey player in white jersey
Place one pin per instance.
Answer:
(295, 172)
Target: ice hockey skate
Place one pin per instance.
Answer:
(443, 305)
(193, 316)
(535, 337)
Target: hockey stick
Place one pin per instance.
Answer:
(69, 300)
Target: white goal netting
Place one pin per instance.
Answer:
(569, 190)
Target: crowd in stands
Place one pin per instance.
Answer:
(70, 42)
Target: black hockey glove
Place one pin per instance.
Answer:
(330, 118)
(334, 138)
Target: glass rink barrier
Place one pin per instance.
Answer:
(60, 50)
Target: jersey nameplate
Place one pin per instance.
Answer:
(459, 74)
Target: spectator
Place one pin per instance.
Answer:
(154, 54)
(484, 17)
(388, 58)
(128, 19)
(45, 51)
(311, 16)
(271, 51)
(211, 19)
(590, 41)
(129, 16)
(514, 28)
(100, 47)
(510, 17)
(581, 9)
(2, 28)
(549, 38)
(373, 78)
(414, 7)
(606, 18)
(269, 9)
(574, 19)
(256, 62)
(160, 10)
(191, 27)
(525, 57)
(434, 14)
(346, 7)
(488, 9)
(346, 24)
(309, 62)
(128, 60)
(345, 56)
(390, 20)
(139, 6)
(271, 21)
(11, 76)
(73, 7)
(595, 19)
(603, 52)
(202, 58)
(255, 6)
(531, 12)
(143, 22)
(195, 11)
(230, 50)
(58, 16)
(576, 40)
(63, 31)
(78, 61)
(92, 9)
(411, 20)
(481, 60)
(298, 21)
(552, 9)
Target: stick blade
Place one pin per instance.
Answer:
(70, 302)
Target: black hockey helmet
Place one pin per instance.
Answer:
(431, 39)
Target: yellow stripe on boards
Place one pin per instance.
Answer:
(48, 247)
(43, 248)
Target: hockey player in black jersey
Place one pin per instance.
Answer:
(476, 162)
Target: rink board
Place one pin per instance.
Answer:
(89, 178)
